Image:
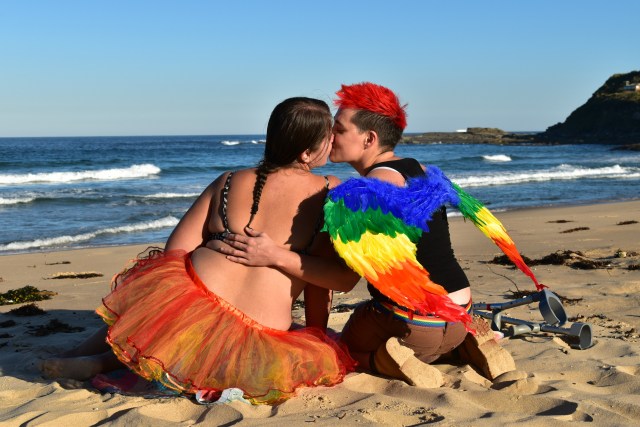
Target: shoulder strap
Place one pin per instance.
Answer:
(407, 167)
(225, 193)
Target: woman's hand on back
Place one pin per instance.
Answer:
(256, 249)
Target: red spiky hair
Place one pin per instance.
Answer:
(375, 98)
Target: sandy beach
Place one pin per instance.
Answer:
(553, 384)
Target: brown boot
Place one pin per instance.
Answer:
(484, 353)
(397, 361)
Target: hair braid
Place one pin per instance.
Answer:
(295, 125)
(262, 171)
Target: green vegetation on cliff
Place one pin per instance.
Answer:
(611, 115)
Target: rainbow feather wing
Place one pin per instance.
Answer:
(474, 210)
(368, 224)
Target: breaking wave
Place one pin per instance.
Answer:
(16, 200)
(562, 172)
(134, 171)
(165, 222)
(497, 158)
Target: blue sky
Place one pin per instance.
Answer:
(188, 67)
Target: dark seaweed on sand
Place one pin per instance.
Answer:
(521, 294)
(53, 327)
(338, 308)
(28, 310)
(627, 222)
(71, 275)
(343, 308)
(571, 230)
(25, 294)
(573, 259)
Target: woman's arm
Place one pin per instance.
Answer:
(322, 267)
(317, 306)
(193, 229)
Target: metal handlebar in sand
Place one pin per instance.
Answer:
(552, 312)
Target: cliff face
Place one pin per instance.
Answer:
(610, 116)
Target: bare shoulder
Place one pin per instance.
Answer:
(215, 186)
(334, 181)
(388, 175)
(244, 174)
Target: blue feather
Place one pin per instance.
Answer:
(414, 204)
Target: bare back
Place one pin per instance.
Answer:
(289, 210)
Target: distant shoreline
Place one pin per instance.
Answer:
(471, 136)
(499, 137)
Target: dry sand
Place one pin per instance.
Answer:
(554, 383)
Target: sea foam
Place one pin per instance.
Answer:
(134, 171)
(562, 172)
(497, 158)
(168, 221)
(170, 195)
(15, 200)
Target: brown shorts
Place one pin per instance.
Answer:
(371, 326)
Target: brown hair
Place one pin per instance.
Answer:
(296, 125)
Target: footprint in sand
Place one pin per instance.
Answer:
(631, 370)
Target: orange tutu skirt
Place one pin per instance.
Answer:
(166, 325)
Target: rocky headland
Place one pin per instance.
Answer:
(610, 116)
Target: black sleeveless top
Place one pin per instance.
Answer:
(434, 252)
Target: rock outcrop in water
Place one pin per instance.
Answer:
(471, 136)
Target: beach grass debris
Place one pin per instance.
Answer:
(53, 327)
(57, 263)
(504, 260)
(74, 275)
(627, 222)
(25, 294)
(572, 230)
(343, 308)
(338, 308)
(31, 309)
(559, 221)
(517, 294)
(573, 259)
(620, 254)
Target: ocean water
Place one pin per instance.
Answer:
(59, 193)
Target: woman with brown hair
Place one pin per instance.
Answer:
(190, 318)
